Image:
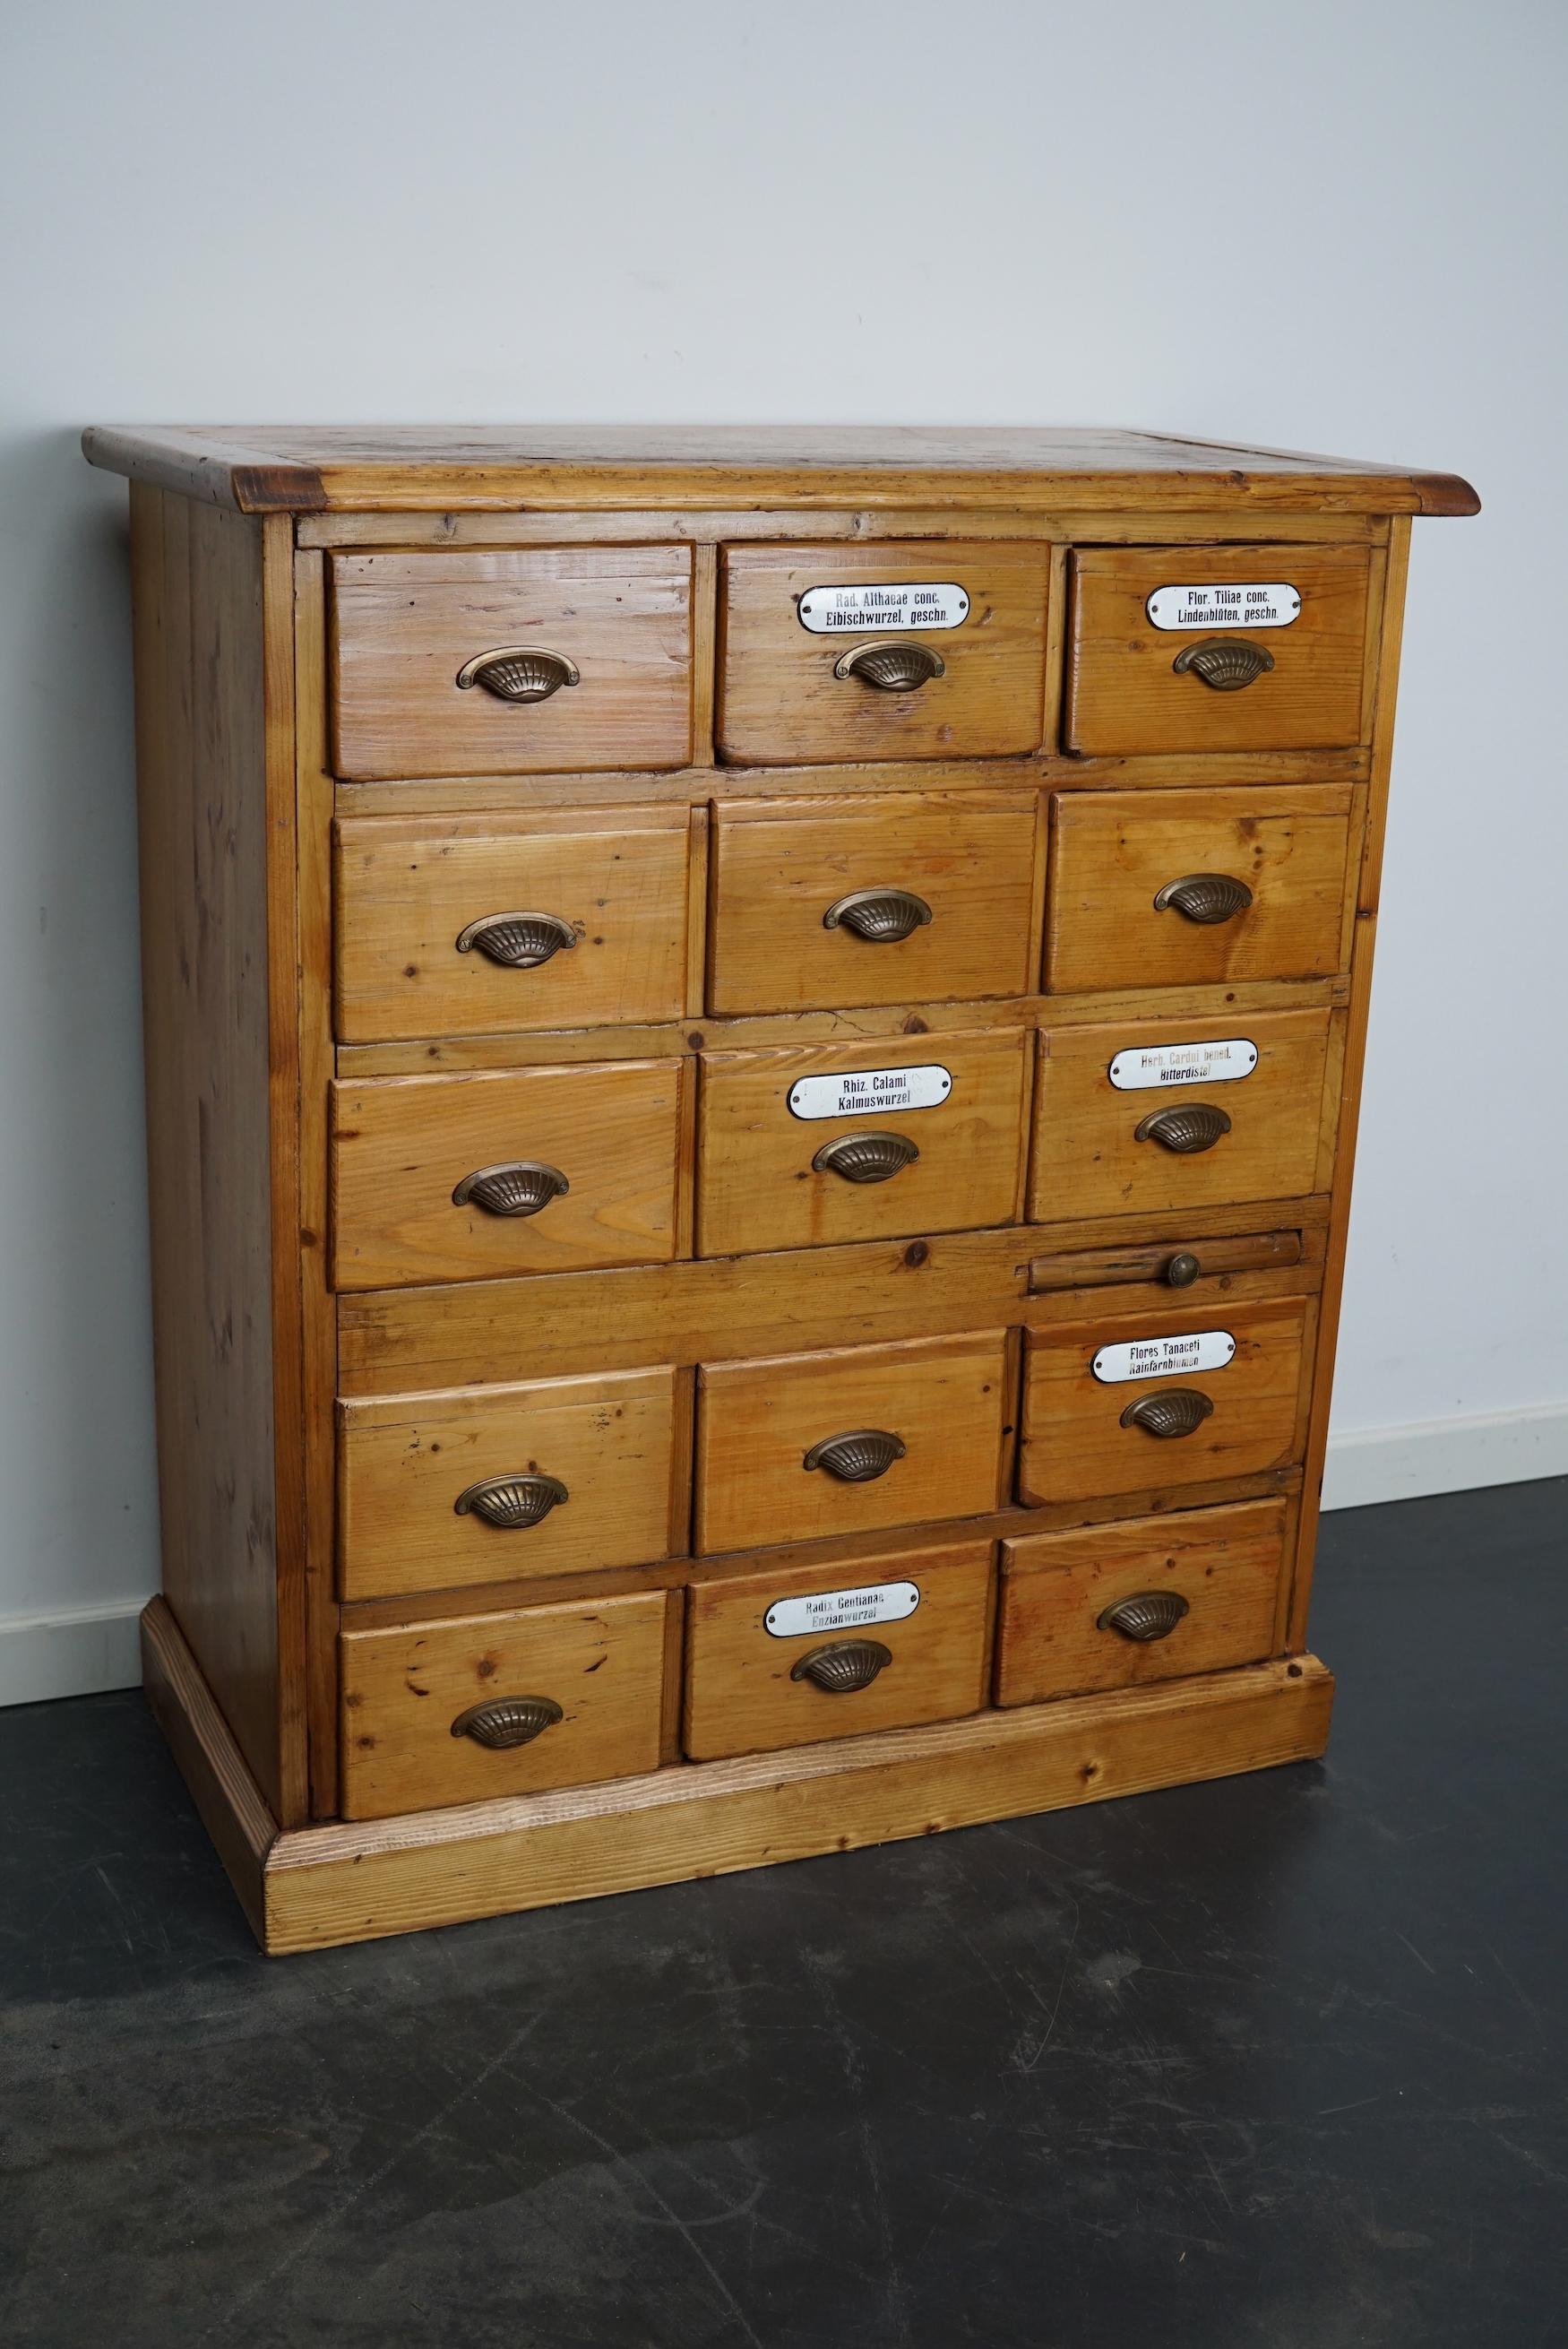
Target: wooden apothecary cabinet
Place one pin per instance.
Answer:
(753, 1050)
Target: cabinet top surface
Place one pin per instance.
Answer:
(304, 469)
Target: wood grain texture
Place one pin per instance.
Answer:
(1113, 853)
(1225, 1563)
(778, 866)
(741, 1697)
(779, 697)
(402, 1145)
(334, 1883)
(402, 1690)
(406, 890)
(201, 733)
(313, 468)
(403, 626)
(234, 1810)
(758, 1185)
(943, 1397)
(1074, 1445)
(1124, 695)
(406, 1460)
(1088, 1159)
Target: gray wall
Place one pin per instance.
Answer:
(1338, 228)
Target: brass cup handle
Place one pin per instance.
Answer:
(518, 1186)
(1173, 1412)
(858, 1457)
(520, 672)
(1225, 664)
(893, 664)
(1192, 1127)
(844, 1666)
(866, 1157)
(512, 1503)
(518, 941)
(1144, 1615)
(881, 917)
(503, 1721)
(1206, 898)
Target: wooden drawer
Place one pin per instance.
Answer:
(401, 1147)
(405, 627)
(754, 1682)
(1188, 888)
(782, 700)
(1096, 1154)
(430, 938)
(1125, 694)
(600, 1671)
(489, 1483)
(1079, 1441)
(1221, 1566)
(769, 1178)
(942, 1399)
(783, 869)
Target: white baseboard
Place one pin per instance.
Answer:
(79, 1651)
(1445, 1455)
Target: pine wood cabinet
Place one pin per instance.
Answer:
(753, 1048)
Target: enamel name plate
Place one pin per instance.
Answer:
(1147, 1065)
(1223, 607)
(843, 1611)
(859, 1092)
(1163, 1358)
(829, 611)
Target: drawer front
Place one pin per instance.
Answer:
(940, 1399)
(492, 1484)
(782, 696)
(1125, 693)
(1084, 1435)
(587, 1681)
(477, 928)
(1189, 889)
(401, 1147)
(1149, 1599)
(819, 904)
(1097, 1151)
(769, 1178)
(897, 1640)
(405, 628)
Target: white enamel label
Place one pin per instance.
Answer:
(1163, 1358)
(831, 611)
(843, 1611)
(859, 1092)
(1223, 607)
(1146, 1065)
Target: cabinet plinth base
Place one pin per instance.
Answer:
(314, 1887)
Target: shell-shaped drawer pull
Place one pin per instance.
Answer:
(845, 1666)
(520, 672)
(881, 917)
(512, 1503)
(866, 1157)
(1194, 1126)
(1174, 1411)
(1144, 1615)
(1181, 1270)
(519, 1187)
(1206, 898)
(858, 1458)
(503, 1721)
(891, 664)
(518, 941)
(1225, 663)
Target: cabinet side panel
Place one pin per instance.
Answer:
(201, 763)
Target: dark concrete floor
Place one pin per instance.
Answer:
(1280, 2061)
